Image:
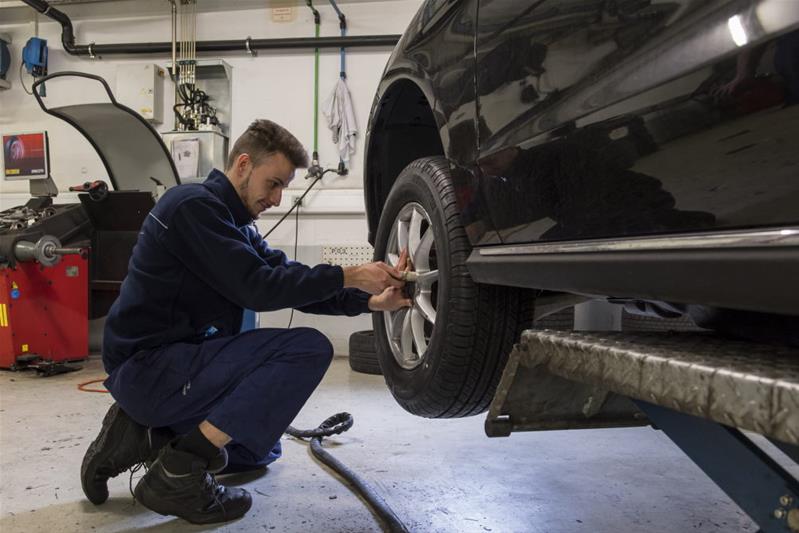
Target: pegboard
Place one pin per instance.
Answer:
(347, 255)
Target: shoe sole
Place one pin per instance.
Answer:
(142, 488)
(92, 453)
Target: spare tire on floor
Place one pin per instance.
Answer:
(363, 353)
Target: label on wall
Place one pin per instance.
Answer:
(283, 14)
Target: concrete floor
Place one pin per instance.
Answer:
(438, 475)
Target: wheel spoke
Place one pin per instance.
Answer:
(402, 235)
(424, 304)
(406, 341)
(417, 324)
(426, 279)
(421, 257)
(414, 233)
(394, 324)
(392, 259)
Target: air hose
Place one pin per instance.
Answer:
(337, 424)
(317, 24)
(341, 422)
(342, 24)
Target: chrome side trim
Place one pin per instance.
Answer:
(783, 237)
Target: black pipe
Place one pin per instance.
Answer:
(67, 32)
(68, 40)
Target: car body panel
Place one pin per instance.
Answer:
(434, 56)
(576, 120)
(607, 121)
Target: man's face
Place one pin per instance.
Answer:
(261, 187)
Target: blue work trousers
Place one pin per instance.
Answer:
(250, 386)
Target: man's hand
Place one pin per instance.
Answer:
(373, 278)
(404, 260)
(390, 299)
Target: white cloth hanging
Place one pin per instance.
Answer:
(340, 115)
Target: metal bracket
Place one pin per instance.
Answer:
(530, 398)
(253, 53)
(92, 55)
(696, 388)
(752, 479)
(750, 386)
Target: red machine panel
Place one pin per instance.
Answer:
(44, 311)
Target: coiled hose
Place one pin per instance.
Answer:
(337, 424)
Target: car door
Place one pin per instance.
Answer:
(607, 119)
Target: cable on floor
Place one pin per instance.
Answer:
(337, 424)
(82, 386)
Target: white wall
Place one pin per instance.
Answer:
(277, 85)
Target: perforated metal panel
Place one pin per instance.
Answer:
(347, 255)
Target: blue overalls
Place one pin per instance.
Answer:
(172, 346)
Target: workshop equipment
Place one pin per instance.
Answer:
(43, 285)
(44, 306)
(699, 389)
(61, 265)
(317, 25)
(192, 109)
(138, 173)
(335, 425)
(338, 108)
(199, 141)
(34, 57)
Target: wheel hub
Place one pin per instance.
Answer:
(409, 329)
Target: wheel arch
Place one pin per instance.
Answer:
(402, 128)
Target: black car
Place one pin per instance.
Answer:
(533, 153)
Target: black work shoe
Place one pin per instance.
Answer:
(178, 484)
(121, 444)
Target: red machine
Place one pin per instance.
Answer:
(44, 311)
(61, 265)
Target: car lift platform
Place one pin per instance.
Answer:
(699, 389)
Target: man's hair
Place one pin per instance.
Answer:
(264, 138)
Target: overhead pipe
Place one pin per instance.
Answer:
(67, 32)
(244, 45)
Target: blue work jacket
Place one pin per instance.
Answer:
(198, 262)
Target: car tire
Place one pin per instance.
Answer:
(466, 345)
(363, 353)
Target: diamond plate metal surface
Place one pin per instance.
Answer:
(749, 386)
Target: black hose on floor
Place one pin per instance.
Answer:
(336, 424)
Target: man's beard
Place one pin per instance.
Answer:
(245, 184)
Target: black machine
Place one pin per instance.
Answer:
(37, 230)
(107, 219)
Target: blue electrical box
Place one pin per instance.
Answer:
(34, 55)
